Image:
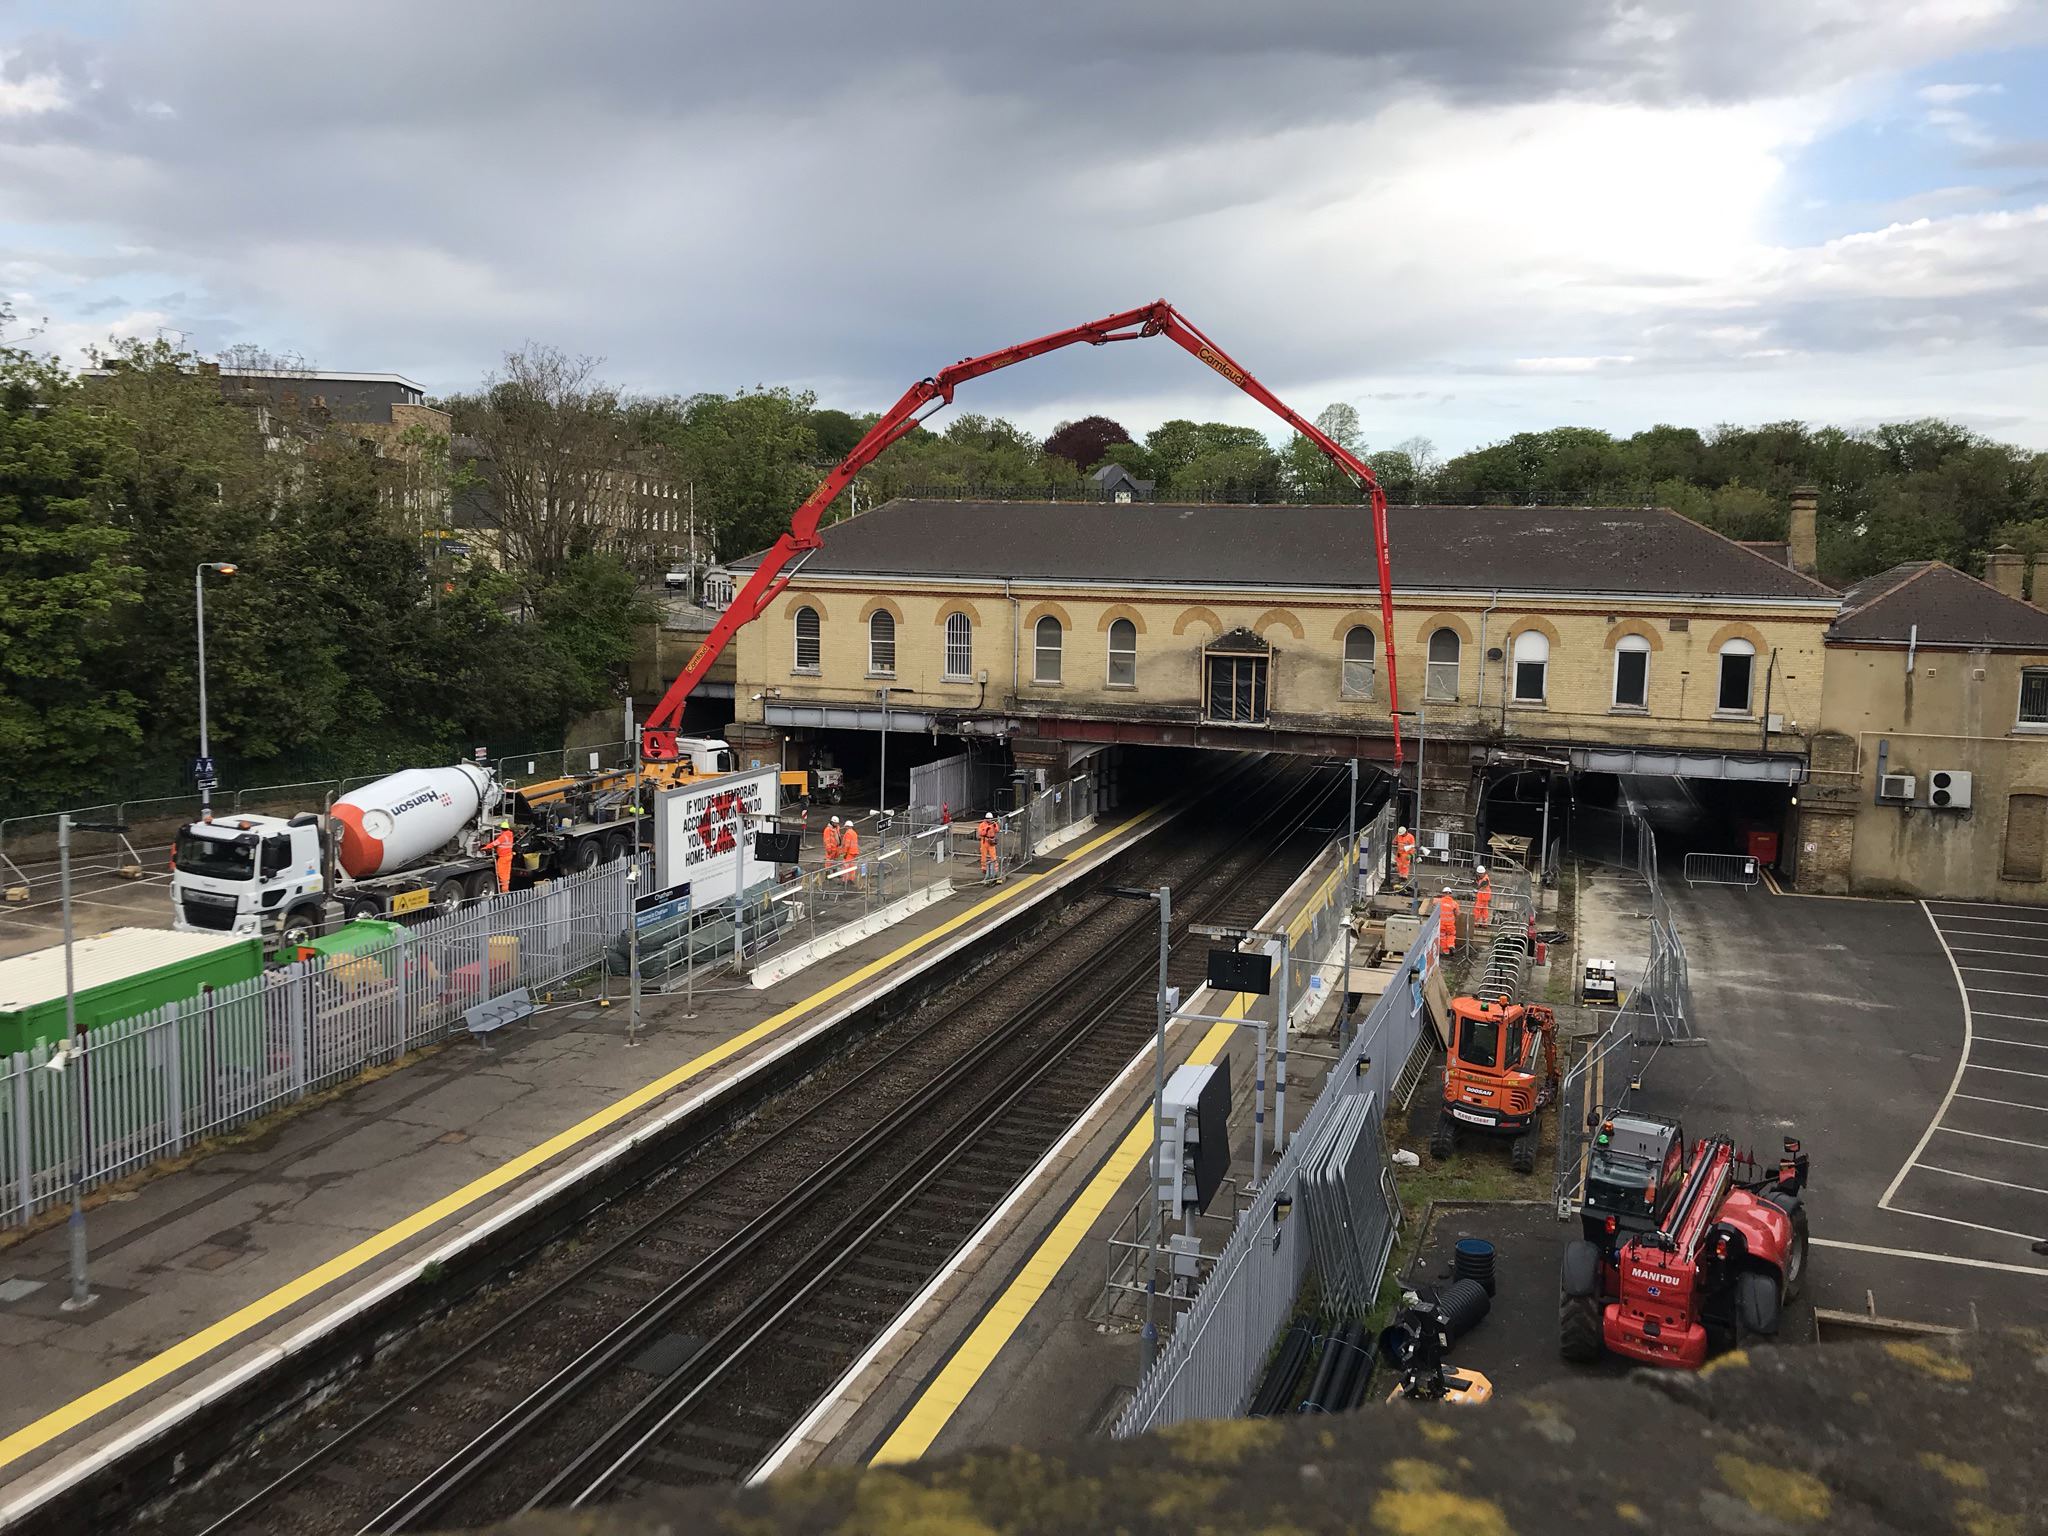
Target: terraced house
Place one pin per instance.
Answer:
(1595, 640)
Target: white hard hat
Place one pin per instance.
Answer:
(835, 821)
(1404, 829)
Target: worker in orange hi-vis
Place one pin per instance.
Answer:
(1404, 853)
(1482, 900)
(500, 844)
(1447, 922)
(986, 834)
(849, 850)
(831, 845)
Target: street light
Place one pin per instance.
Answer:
(205, 767)
(1163, 896)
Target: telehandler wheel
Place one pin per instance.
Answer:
(1578, 1329)
(1795, 1255)
(1522, 1155)
(1758, 1310)
(1443, 1141)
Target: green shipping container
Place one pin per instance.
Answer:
(117, 975)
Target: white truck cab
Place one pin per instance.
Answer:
(249, 874)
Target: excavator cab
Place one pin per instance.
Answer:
(1500, 1074)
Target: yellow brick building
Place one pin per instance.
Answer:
(1609, 639)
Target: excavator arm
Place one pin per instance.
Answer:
(785, 556)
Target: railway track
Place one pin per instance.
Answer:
(704, 1327)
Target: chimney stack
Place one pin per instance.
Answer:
(2039, 581)
(1803, 539)
(2005, 569)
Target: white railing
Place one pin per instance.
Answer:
(151, 1086)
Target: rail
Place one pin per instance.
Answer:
(1721, 869)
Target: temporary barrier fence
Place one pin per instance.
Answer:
(1657, 1011)
(1721, 869)
(1210, 1366)
(151, 1086)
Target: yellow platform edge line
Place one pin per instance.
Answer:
(195, 1347)
(969, 1362)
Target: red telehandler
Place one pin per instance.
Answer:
(658, 741)
(1685, 1252)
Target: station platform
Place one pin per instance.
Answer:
(1021, 1343)
(251, 1254)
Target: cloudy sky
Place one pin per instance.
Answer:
(1468, 217)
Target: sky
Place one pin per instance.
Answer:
(1467, 218)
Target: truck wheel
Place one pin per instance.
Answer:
(1443, 1141)
(481, 886)
(1578, 1329)
(1522, 1155)
(585, 855)
(448, 895)
(617, 846)
(353, 907)
(307, 920)
(1758, 1311)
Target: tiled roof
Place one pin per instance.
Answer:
(1633, 550)
(1936, 604)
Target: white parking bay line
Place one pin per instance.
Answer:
(1999, 970)
(2031, 1045)
(1978, 1178)
(1978, 1098)
(2010, 1141)
(1957, 1221)
(2041, 997)
(2015, 1018)
(1932, 1258)
(1982, 915)
(1884, 1200)
(2010, 954)
(2005, 1071)
(1996, 933)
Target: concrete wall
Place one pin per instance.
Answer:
(1306, 634)
(1954, 710)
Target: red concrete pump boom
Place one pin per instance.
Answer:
(658, 739)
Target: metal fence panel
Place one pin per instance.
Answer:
(1211, 1364)
(1721, 869)
(148, 1087)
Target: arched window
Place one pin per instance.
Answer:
(1532, 666)
(882, 642)
(1442, 682)
(1631, 672)
(1738, 669)
(959, 648)
(1123, 654)
(1046, 651)
(1358, 643)
(807, 639)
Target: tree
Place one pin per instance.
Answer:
(560, 457)
(1339, 423)
(65, 578)
(1086, 443)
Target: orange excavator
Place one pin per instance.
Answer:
(659, 742)
(1500, 1074)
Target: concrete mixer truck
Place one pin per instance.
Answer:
(411, 845)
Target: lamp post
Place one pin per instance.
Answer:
(205, 774)
(1164, 897)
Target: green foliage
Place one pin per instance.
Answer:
(337, 646)
(66, 579)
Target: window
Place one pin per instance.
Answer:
(277, 853)
(959, 647)
(1123, 654)
(1632, 672)
(1046, 651)
(882, 643)
(2026, 836)
(1237, 689)
(807, 640)
(1442, 682)
(1358, 643)
(1738, 663)
(1532, 666)
(2033, 699)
